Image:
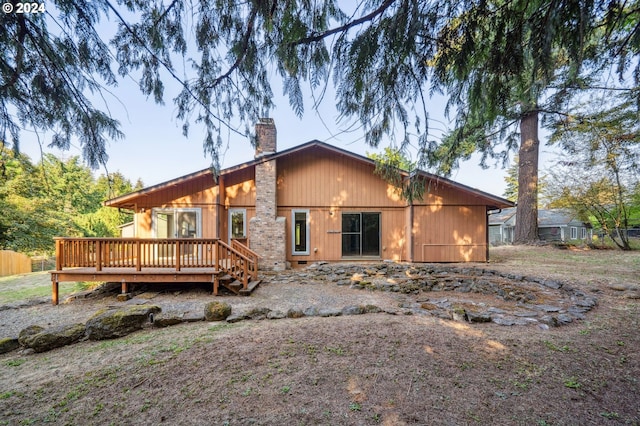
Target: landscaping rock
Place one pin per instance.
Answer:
(55, 337)
(330, 312)
(166, 319)
(276, 315)
(26, 333)
(295, 313)
(217, 311)
(478, 316)
(353, 310)
(112, 323)
(258, 313)
(8, 344)
(236, 317)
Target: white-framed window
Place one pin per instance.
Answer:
(237, 223)
(177, 222)
(574, 233)
(584, 233)
(300, 232)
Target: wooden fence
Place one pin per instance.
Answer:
(12, 263)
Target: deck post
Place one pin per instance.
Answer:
(138, 255)
(245, 275)
(98, 255)
(177, 250)
(59, 254)
(54, 289)
(124, 287)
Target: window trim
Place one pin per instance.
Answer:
(574, 233)
(360, 233)
(229, 223)
(174, 211)
(307, 233)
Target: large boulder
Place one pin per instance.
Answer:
(55, 337)
(113, 323)
(216, 311)
(8, 344)
(28, 332)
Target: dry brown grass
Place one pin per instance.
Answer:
(357, 370)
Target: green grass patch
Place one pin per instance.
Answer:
(18, 288)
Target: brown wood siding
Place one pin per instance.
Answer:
(449, 233)
(438, 193)
(318, 178)
(325, 234)
(240, 188)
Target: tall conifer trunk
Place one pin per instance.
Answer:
(527, 214)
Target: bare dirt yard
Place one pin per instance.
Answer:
(376, 368)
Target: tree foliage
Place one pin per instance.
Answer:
(53, 198)
(599, 178)
(501, 64)
(396, 168)
(49, 67)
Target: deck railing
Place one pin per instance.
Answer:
(249, 254)
(138, 253)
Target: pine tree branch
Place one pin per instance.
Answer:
(170, 71)
(19, 53)
(243, 51)
(320, 36)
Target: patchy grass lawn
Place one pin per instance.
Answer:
(356, 370)
(35, 285)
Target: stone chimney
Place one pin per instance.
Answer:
(267, 232)
(266, 137)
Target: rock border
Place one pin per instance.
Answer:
(410, 279)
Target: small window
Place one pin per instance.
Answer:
(584, 233)
(574, 233)
(300, 232)
(237, 223)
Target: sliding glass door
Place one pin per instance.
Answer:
(360, 234)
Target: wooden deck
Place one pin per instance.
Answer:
(134, 260)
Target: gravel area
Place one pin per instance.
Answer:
(281, 292)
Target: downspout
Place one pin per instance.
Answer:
(489, 213)
(411, 258)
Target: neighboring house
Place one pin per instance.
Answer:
(316, 202)
(501, 226)
(553, 225)
(127, 230)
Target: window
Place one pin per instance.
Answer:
(177, 223)
(237, 224)
(361, 234)
(584, 233)
(574, 233)
(300, 231)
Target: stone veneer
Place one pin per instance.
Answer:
(267, 232)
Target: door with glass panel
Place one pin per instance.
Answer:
(360, 234)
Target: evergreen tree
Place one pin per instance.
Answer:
(502, 64)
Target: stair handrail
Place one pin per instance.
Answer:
(231, 267)
(252, 255)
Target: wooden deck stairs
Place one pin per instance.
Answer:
(236, 286)
(239, 270)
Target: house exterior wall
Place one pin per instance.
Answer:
(443, 233)
(325, 237)
(320, 178)
(449, 225)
